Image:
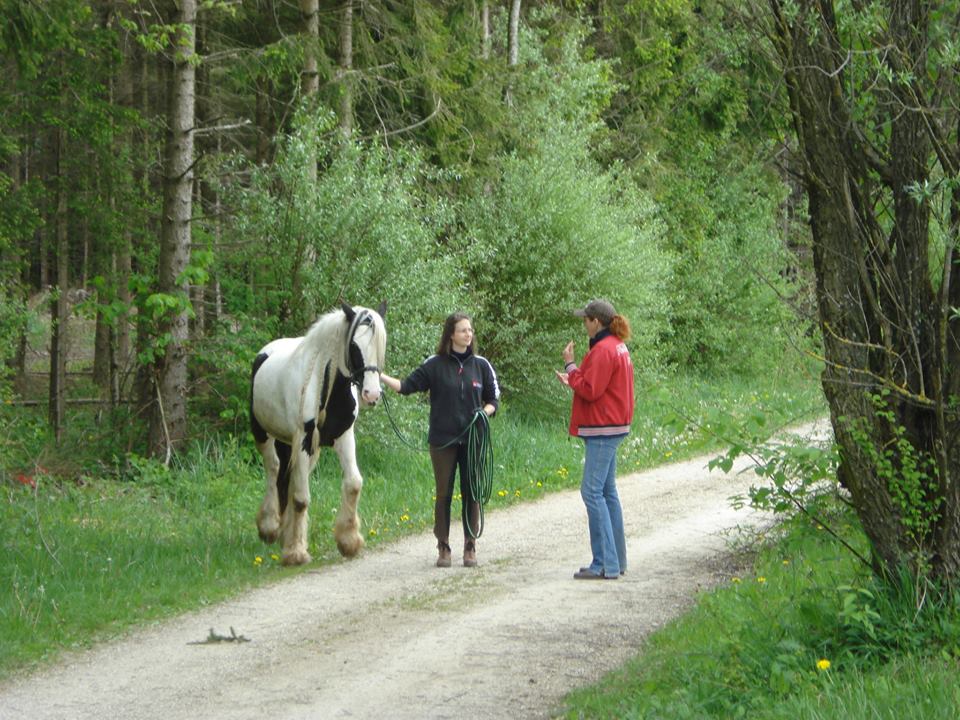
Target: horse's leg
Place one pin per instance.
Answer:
(294, 522)
(346, 529)
(268, 517)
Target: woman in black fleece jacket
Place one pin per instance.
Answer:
(460, 382)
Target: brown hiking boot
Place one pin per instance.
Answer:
(443, 556)
(469, 554)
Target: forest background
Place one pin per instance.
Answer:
(182, 182)
(199, 197)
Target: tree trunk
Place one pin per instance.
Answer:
(102, 353)
(891, 356)
(213, 300)
(264, 121)
(58, 306)
(513, 39)
(309, 76)
(168, 420)
(485, 24)
(130, 90)
(346, 68)
(13, 276)
(513, 47)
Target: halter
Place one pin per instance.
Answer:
(357, 373)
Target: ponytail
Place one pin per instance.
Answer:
(620, 327)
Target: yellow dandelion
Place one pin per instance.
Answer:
(371, 532)
(257, 561)
(761, 579)
(502, 493)
(786, 562)
(404, 517)
(735, 580)
(668, 453)
(823, 664)
(275, 557)
(539, 484)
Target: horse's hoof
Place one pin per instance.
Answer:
(350, 546)
(268, 527)
(268, 536)
(268, 531)
(295, 557)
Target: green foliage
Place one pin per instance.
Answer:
(728, 290)
(794, 470)
(12, 326)
(907, 688)
(533, 256)
(221, 363)
(556, 229)
(911, 475)
(361, 232)
(692, 117)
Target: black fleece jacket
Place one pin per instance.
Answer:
(458, 386)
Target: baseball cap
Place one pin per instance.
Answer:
(600, 309)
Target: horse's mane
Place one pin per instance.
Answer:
(327, 337)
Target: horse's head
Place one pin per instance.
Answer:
(366, 349)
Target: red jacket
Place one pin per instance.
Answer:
(602, 390)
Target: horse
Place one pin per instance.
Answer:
(304, 395)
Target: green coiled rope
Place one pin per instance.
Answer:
(479, 460)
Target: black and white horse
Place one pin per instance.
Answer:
(304, 395)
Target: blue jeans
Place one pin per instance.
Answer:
(604, 514)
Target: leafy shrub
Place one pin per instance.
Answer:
(555, 229)
(362, 231)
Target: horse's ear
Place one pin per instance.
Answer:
(348, 311)
(382, 309)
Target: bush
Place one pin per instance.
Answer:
(555, 229)
(362, 231)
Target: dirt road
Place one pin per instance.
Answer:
(388, 635)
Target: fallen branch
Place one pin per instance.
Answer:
(213, 638)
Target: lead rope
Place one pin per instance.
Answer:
(479, 460)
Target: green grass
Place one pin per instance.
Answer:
(108, 540)
(806, 633)
(906, 688)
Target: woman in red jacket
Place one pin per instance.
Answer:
(602, 412)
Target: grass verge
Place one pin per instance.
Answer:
(807, 634)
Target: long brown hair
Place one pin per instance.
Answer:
(446, 338)
(620, 327)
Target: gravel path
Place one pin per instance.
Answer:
(388, 635)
